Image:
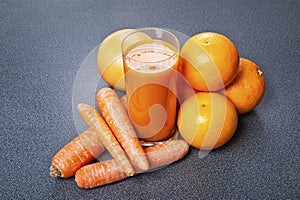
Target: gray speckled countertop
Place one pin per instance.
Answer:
(42, 46)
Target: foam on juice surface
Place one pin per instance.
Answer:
(150, 58)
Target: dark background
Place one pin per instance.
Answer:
(43, 44)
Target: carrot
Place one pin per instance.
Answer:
(91, 116)
(166, 153)
(108, 171)
(117, 119)
(77, 153)
(98, 174)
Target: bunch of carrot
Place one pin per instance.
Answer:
(114, 132)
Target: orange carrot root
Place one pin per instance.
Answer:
(117, 119)
(105, 172)
(167, 153)
(80, 151)
(91, 116)
(100, 173)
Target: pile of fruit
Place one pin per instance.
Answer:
(223, 84)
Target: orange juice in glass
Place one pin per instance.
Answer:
(150, 67)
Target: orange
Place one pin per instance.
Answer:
(109, 57)
(248, 88)
(209, 61)
(207, 120)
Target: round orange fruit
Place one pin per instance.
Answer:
(248, 88)
(207, 120)
(209, 61)
(109, 58)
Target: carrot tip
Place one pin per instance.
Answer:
(54, 172)
(80, 106)
(130, 173)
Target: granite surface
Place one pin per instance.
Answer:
(44, 44)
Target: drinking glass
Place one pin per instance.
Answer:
(150, 59)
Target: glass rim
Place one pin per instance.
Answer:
(152, 28)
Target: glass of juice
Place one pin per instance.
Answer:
(150, 67)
